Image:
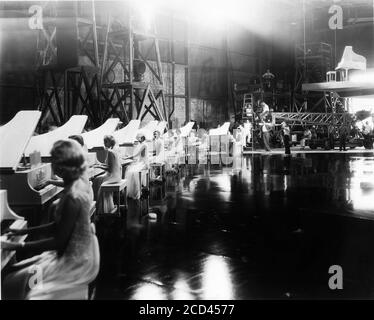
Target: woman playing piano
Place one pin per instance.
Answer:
(70, 256)
(113, 174)
(141, 162)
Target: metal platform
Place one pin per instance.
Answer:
(311, 118)
(342, 88)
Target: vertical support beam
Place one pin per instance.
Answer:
(133, 102)
(187, 71)
(66, 96)
(131, 45)
(230, 100)
(103, 64)
(172, 57)
(94, 32)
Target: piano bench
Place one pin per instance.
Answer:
(143, 172)
(162, 171)
(117, 188)
(330, 76)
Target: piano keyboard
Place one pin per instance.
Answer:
(6, 256)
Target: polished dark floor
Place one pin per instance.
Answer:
(269, 228)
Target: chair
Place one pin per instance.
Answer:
(161, 168)
(143, 172)
(117, 188)
(331, 76)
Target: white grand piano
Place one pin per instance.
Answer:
(186, 129)
(220, 131)
(217, 141)
(43, 143)
(161, 126)
(355, 79)
(350, 61)
(95, 138)
(125, 138)
(26, 185)
(9, 219)
(127, 135)
(148, 129)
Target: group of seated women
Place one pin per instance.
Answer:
(65, 251)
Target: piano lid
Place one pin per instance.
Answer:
(44, 142)
(95, 138)
(5, 211)
(148, 129)
(127, 134)
(161, 127)
(351, 60)
(185, 130)
(220, 131)
(14, 138)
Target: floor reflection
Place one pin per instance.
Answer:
(269, 228)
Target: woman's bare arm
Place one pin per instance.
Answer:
(138, 152)
(49, 227)
(64, 229)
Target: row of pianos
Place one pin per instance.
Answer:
(25, 168)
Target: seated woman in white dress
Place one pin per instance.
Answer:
(113, 174)
(70, 253)
(140, 163)
(158, 148)
(175, 149)
(178, 146)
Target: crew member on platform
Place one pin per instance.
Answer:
(264, 109)
(247, 132)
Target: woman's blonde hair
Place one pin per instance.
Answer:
(68, 160)
(110, 140)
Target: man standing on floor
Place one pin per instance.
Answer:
(267, 123)
(343, 133)
(331, 135)
(286, 137)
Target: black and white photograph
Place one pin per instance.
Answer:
(186, 155)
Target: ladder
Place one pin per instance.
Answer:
(247, 100)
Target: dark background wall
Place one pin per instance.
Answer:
(245, 49)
